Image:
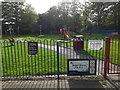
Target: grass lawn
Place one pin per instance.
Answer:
(35, 37)
(17, 62)
(114, 51)
(51, 36)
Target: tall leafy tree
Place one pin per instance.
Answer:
(28, 23)
(104, 15)
(50, 21)
(21, 17)
(11, 15)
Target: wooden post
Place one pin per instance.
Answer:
(107, 56)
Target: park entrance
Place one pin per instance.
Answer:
(60, 60)
(48, 58)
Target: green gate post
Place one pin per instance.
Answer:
(107, 56)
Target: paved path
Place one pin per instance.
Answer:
(52, 84)
(114, 79)
(72, 54)
(68, 51)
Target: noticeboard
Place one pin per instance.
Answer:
(81, 67)
(32, 48)
(95, 44)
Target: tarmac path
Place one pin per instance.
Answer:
(72, 54)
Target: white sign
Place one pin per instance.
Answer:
(80, 66)
(95, 44)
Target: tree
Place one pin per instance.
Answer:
(71, 13)
(68, 15)
(104, 15)
(21, 17)
(28, 23)
(10, 15)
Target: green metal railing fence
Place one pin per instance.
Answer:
(51, 58)
(114, 61)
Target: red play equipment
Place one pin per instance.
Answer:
(65, 33)
(11, 40)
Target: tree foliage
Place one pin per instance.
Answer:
(75, 16)
(10, 15)
(28, 23)
(104, 15)
(22, 18)
(79, 17)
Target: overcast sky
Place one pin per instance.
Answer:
(42, 6)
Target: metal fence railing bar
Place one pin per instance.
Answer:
(17, 63)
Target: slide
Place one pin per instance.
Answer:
(66, 35)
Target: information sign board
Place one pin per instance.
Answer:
(95, 44)
(81, 67)
(32, 48)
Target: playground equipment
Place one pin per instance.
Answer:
(78, 41)
(89, 34)
(64, 33)
(11, 40)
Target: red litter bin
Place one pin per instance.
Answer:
(78, 42)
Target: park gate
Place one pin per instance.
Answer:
(112, 61)
(112, 56)
(49, 58)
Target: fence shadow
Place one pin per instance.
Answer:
(74, 83)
